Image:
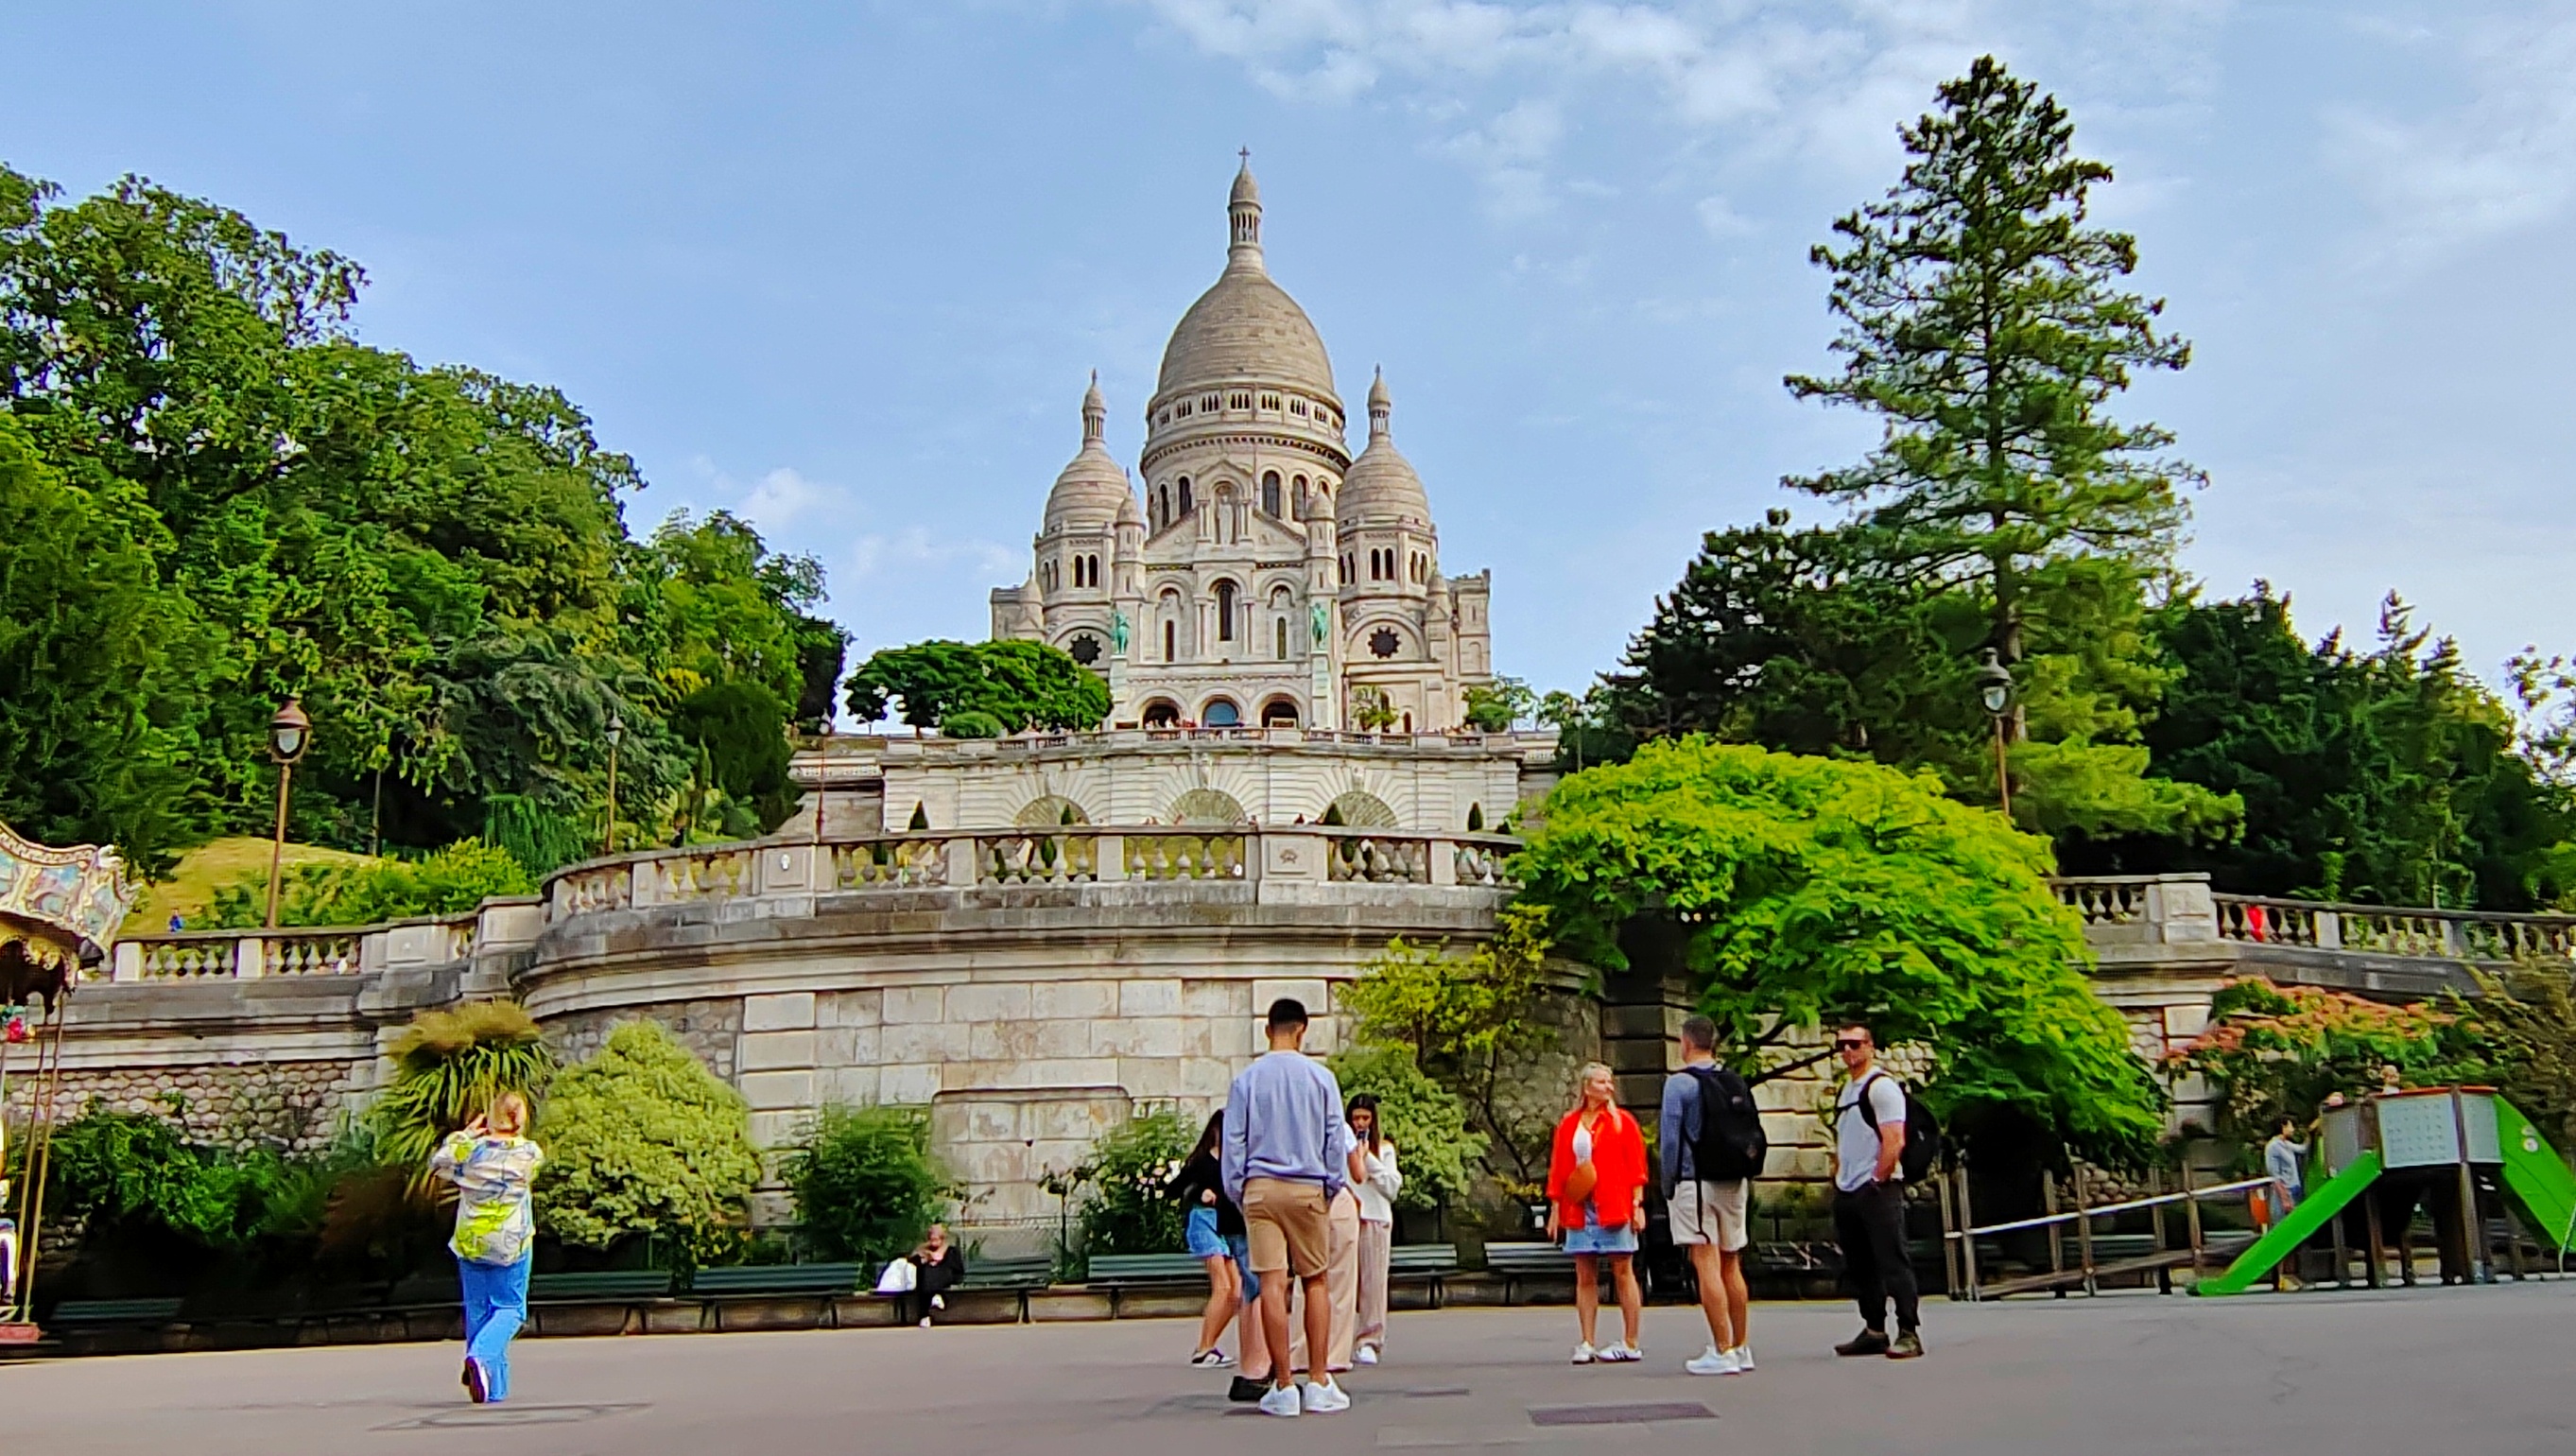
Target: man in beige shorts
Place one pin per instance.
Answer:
(1286, 1154)
(1707, 1213)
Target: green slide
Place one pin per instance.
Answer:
(2537, 1176)
(2289, 1233)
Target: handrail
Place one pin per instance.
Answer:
(1959, 1245)
(2107, 1209)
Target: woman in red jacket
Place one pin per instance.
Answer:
(1596, 1201)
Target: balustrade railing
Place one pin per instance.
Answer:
(912, 862)
(1182, 855)
(1037, 858)
(2457, 935)
(1378, 859)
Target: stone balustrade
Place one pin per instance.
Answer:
(2180, 910)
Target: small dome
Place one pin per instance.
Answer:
(1381, 487)
(1091, 491)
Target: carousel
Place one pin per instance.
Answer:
(59, 913)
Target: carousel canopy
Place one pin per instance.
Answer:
(57, 908)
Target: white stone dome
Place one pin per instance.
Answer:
(1091, 492)
(1246, 328)
(1381, 487)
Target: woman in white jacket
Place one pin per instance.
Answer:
(1376, 1180)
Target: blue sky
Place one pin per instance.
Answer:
(844, 269)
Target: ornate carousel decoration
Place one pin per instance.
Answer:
(59, 913)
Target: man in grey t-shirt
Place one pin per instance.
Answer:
(1869, 1199)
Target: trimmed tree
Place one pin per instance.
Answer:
(1791, 889)
(642, 1139)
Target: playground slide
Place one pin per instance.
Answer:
(2537, 1176)
(2289, 1233)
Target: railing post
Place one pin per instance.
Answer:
(1108, 858)
(129, 961)
(2084, 1226)
(1968, 1233)
(2191, 1215)
(964, 873)
(250, 957)
(2056, 1231)
(1950, 1238)
(1444, 859)
(2329, 925)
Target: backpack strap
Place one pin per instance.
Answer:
(1869, 1114)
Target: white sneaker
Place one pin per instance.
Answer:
(939, 1301)
(1743, 1358)
(1366, 1355)
(1323, 1397)
(1713, 1361)
(1620, 1353)
(1281, 1401)
(1584, 1354)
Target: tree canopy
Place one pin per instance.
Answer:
(1793, 889)
(217, 498)
(1018, 685)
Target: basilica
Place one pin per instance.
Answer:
(1267, 577)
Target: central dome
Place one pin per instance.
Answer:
(1246, 328)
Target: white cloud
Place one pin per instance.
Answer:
(1721, 220)
(2502, 159)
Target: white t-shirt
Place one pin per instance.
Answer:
(1855, 1144)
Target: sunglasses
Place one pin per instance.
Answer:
(1849, 1043)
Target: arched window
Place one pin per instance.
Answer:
(1162, 713)
(1221, 713)
(1185, 495)
(1171, 642)
(1279, 713)
(1162, 506)
(1225, 611)
(1279, 630)
(1095, 570)
(1270, 491)
(1301, 497)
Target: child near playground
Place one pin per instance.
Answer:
(492, 1163)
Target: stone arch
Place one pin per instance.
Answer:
(1221, 711)
(1161, 713)
(1047, 810)
(1279, 711)
(1360, 809)
(1208, 806)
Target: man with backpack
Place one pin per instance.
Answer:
(1712, 1145)
(1872, 1160)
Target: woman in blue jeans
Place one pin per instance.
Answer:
(492, 1164)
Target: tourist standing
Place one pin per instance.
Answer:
(1711, 1141)
(1869, 1199)
(1286, 1155)
(1212, 1220)
(1596, 1202)
(1377, 1181)
(2283, 1162)
(492, 1163)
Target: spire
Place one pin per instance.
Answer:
(1243, 218)
(1380, 405)
(1095, 412)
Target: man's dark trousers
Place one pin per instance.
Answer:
(1870, 1225)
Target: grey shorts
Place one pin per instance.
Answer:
(1710, 1213)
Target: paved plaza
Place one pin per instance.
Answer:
(2483, 1371)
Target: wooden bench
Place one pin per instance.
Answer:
(1421, 1261)
(599, 1286)
(753, 1280)
(1016, 1271)
(1131, 1271)
(97, 1313)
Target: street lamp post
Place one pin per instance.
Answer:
(289, 733)
(616, 731)
(1994, 691)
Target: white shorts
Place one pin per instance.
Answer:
(1710, 1213)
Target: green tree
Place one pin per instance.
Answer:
(1791, 889)
(643, 1140)
(451, 881)
(97, 691)
(1474, 1020)
(866, 1185)
(1496, 706)
(1985, 323)
(2280, 1051)
(1020, 685)
(1425, 1120)
(1129, 1207)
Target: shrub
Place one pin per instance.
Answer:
(642, 1139)
(448, 1066)
(449, 881)
(969, 723)
(1426, 1121)
(1129, 1171)
(865, 1183)
(137, 1169)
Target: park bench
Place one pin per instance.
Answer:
(1132, 1271)
(100, 1313)
(1015, 1271)
(1521, 1265)
(757, 1280)
(600, 1286)
(1422, 1261)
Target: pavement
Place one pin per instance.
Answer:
(2462, 1372)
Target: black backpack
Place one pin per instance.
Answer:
(1922, 1130)
(1731, 1143)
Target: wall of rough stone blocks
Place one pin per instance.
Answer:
(290, 1106)
(710, 1028)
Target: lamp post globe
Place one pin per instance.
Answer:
(616, 734)
(1994, 692)
(289, 734)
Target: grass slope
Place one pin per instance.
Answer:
(190, 890)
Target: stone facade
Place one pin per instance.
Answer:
(289, 1106)
(1270, 577)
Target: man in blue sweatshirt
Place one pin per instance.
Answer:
(1286, 1153)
